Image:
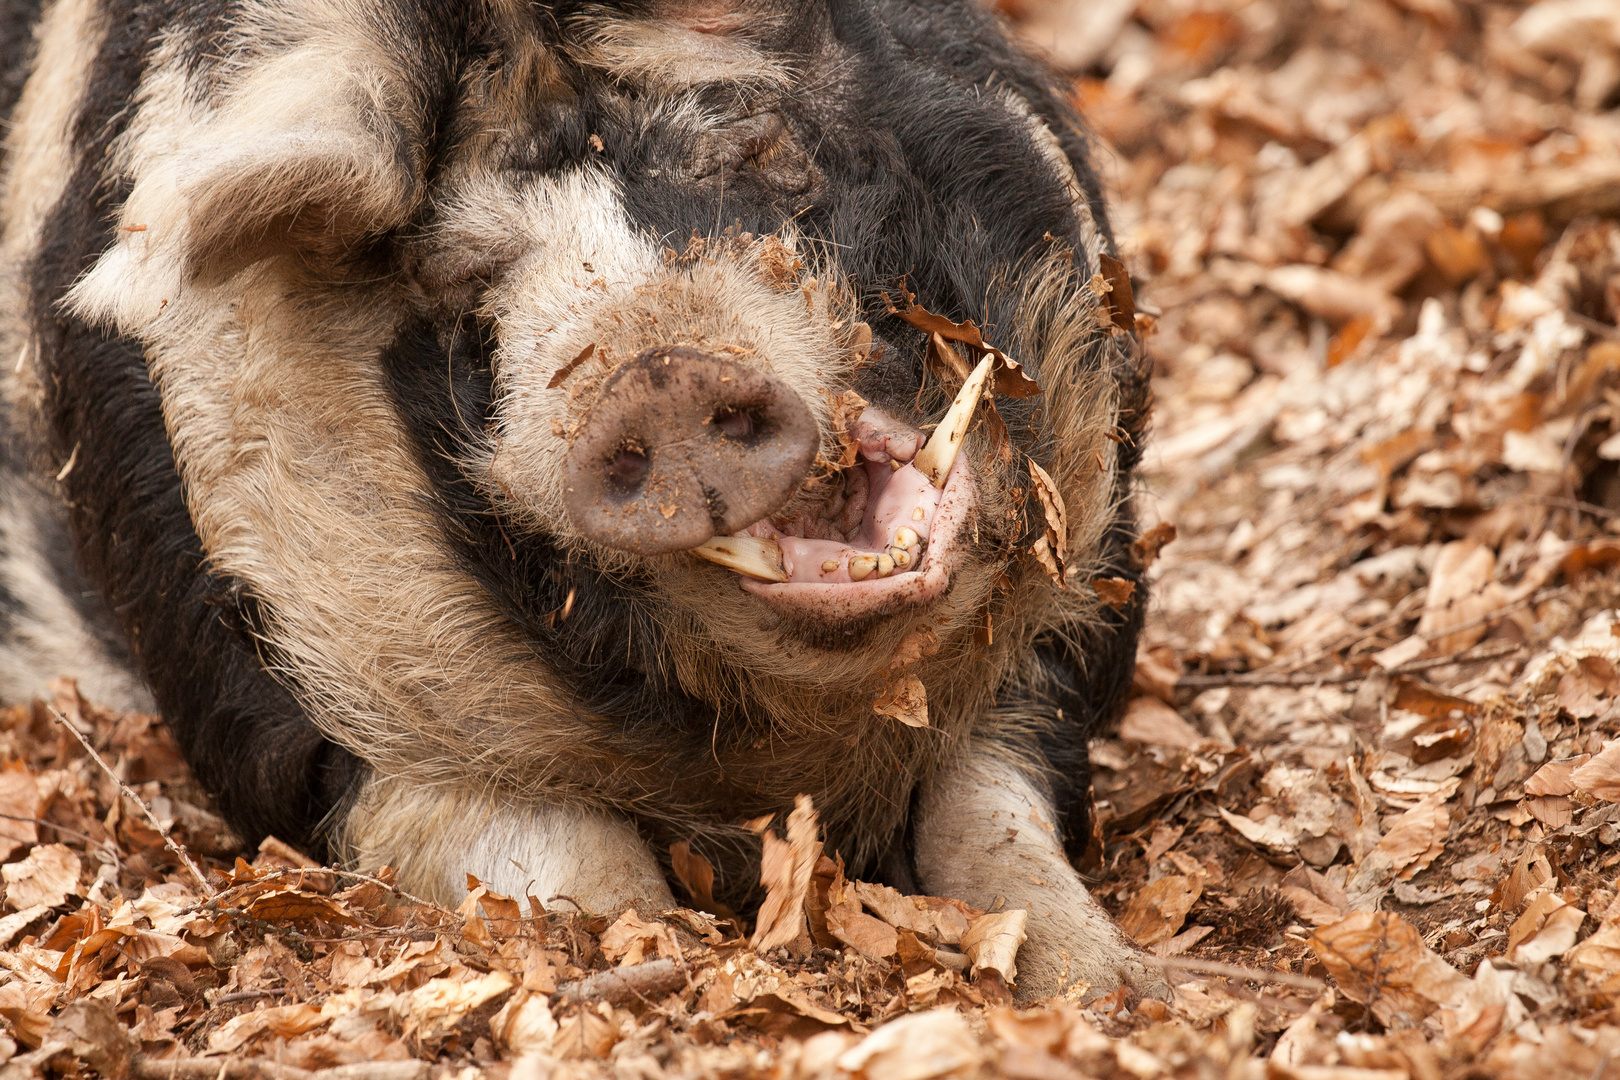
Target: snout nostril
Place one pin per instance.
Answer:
(734, 423)
(629, 468)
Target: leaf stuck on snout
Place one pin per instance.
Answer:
(1113, 591)
(570, 367)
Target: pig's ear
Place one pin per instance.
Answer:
(293, 162)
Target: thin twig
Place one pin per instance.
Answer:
(105, 845)
(353, 875)
(1233, 971)
(150, 1067)
(129, 793)
(1339, 678)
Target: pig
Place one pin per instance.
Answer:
(517, 438)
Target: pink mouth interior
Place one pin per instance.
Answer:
(886, 538)
(901, 505)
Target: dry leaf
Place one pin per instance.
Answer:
(1461, 594)
(861, 932)
(1149, 720)
(1378, 958)
(1417, 837)
(1159, 908)
(919, 1046)
(1113, 591)
(629, 939)
(991, 943)
(570, 367)
(785, 869)
(1051, 549)
(283, 1020)
(46, 878)
(1145, 548)
(906, 700)
(696, 876)
(1600, 777)
(1120, 303)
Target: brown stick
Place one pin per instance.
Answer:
(148, 1067)
(1232, 971)
(1339, 678)
(647, 981)
(129, 793)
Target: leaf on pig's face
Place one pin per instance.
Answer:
(1113, 591)
(570, 367)
(1052, 547)
(1010, 377)
(1115, 292)
(845, 408)
(906, 700)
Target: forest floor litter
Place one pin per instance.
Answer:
(1364, 805)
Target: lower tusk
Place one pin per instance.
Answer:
(748, 555)
(936, 458)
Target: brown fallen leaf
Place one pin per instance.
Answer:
(1379, 959)
(1149, 720)
(845, 408)
(785, 868)
(20, 804)
(1145, 548)
(1600, 777)
(283, 1020)
(919, 643)
(630, 938)
(1417, 837)
(1556, 777)
(1461, 591)
(1113, 591)
(1159, 908)
(866, 935)
(906, 700)
(1051, 549)
(46, 878)
(917, 1046)
(1010, 378)
(992, 941)
(696, 876)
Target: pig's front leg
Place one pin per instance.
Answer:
(985, 830)
(435, 837)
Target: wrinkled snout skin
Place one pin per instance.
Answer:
(681, 446)
(383, 365)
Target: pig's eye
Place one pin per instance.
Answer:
(762, 144)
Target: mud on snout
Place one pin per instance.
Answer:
(699, 405)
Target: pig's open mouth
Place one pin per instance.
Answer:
(888, 539)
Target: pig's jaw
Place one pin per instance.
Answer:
(903, 554)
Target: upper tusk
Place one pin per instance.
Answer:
(748, 555)
(935, 459)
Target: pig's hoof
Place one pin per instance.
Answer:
(1103, 966)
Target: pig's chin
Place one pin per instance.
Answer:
(838, 580)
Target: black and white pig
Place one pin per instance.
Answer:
(487, 431)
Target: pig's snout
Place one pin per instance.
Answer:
(682, 446)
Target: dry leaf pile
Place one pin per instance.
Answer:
(1364, 805)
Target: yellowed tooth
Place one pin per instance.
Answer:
(829, 566)
(905, 537)
(901, 557)
(918, 513)
(885, 566)
(748, 555)
(935, 460)
(895, 466)
(861, 567)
